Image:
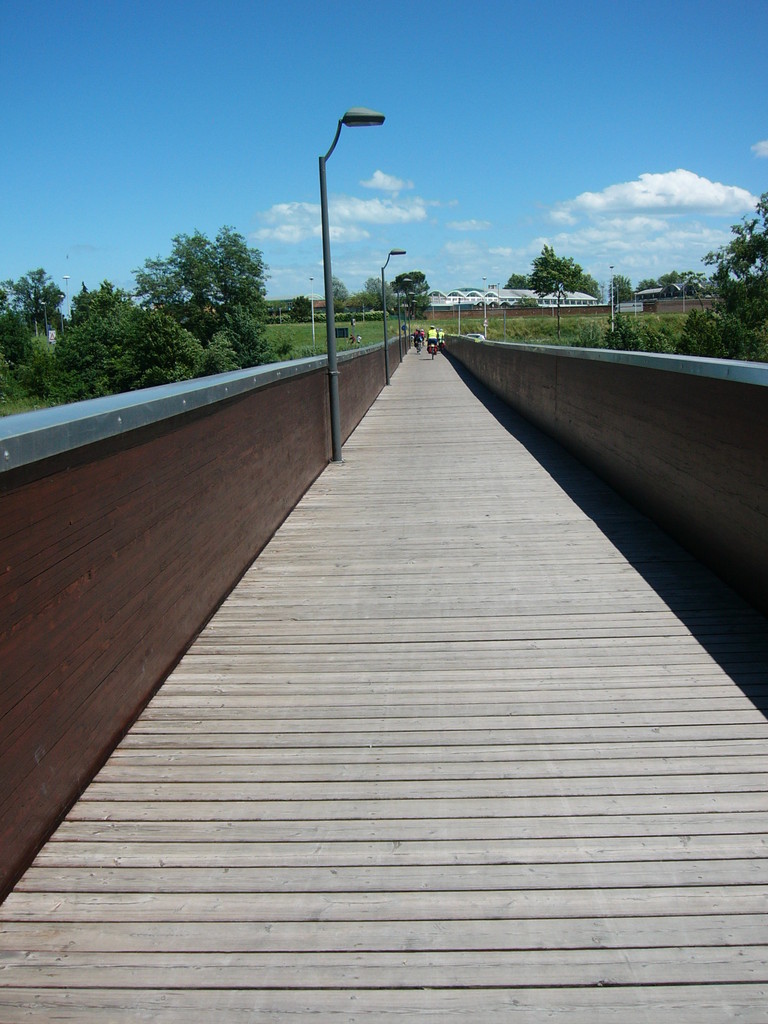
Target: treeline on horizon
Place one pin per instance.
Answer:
(202, 310)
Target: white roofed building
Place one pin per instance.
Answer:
(474, 298)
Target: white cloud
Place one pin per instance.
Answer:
(761, 148)
(344, 209)
(677, 191)
(468, 225)
(650, 225)
(639, 246)
(386, 182)
(291, 223)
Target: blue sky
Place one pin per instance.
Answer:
(620, 133)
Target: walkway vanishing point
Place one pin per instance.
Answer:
(471, 741)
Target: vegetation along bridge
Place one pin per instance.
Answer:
(472, 738)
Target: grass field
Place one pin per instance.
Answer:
(581, 331)
(295, 340)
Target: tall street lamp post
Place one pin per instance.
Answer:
(485, 313)
(405, 283)
(392, 252)
(401, 325)
(611, 270)
(312, 306)
(357, 117)
(69, 309)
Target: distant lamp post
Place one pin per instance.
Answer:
(357, 117)
(611, 270)
(402, 292)
(400, 331)
(66, 285)
(485, 312)
(405, 283)
(312, 307)
(392, 252)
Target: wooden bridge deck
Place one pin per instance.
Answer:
(470, 741)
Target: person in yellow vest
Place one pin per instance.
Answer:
(432, 340)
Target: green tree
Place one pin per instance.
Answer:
(340, 293)
(156, 350)
(203, 281)
(359, 301)
(587, 284)
(114, 345)
(372, 293)
(554, 275)
(244, 332)
(625, 336)
(37, 375)
(98, 331)
(673, 277)
(741, 269)
(414, 284)
(737, 328)
(15, 338)
(518, 281)
(218, 357)
(35, 298)
(622, 289)
(301, 310)
(648, 282)
(717, 334)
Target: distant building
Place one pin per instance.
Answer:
(475, 298)
(669, 291)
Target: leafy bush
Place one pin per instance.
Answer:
(245, 333)
(37, 376)
(589, 334)
(625, 335)
(219, 357)
(722, 335)
(15, 338)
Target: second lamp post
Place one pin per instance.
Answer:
(392, 252)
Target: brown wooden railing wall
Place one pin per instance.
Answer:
(685, 440)
(114, 555)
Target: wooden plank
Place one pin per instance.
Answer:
(461, 969)
(400, 831)
(241, 769)
(706, 1004)
(514, 907)
(373, 812)
(381, 933)
(82, 853)
(482, 877)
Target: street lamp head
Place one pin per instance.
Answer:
(392, 252)
(362, 117)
